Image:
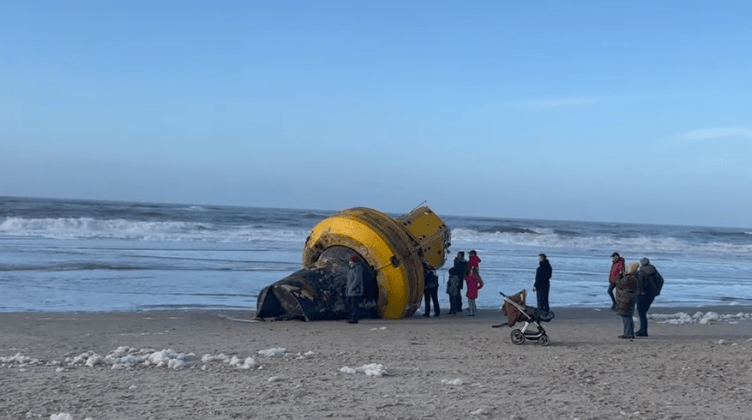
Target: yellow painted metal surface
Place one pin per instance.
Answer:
(426, 228)
(395, 248)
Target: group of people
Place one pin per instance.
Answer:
(629, 287)
(636, 285)
(462, 272)
(468, 272)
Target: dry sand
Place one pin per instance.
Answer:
(451, 367)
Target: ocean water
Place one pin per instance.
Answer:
(91, 256)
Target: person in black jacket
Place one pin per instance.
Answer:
(431, 291)
(542, 282)
(455, 283)
(650, 282)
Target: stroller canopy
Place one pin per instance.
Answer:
(516, 310)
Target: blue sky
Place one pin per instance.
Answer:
(632, 111)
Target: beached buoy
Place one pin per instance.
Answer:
(394, 251)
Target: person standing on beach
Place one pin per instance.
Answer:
(453, 290)
(473, 280)
(650, 284)
(543, 282)
(456, 283)
(626, 289)
(354, 290)
(431, 291)
(617, 270)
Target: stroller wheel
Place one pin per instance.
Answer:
(543, 340)
(517, 337)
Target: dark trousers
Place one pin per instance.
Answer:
(541, 294)
(353, 307)
(611, 287)
(643, 304)
(432, 294)
(628, 325)
(455, 303)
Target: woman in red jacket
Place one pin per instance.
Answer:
(473, 280)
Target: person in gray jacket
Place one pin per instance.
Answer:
(650, 284)
(354, 290)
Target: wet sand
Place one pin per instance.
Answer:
(451, 367)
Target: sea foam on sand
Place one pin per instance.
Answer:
(453, 368)
(699, 318)
(125, 357)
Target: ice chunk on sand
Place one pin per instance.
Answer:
(248, 363)
(457, 381)
(347, 369)
(272, 352)
(374, 369)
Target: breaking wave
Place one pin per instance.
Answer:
(166, 231)
(275, 231)
(549, 238)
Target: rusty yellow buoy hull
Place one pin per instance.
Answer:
(395, 248)
(397, 252)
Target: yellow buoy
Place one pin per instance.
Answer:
(396, 250)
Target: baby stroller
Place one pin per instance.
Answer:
(515, 310)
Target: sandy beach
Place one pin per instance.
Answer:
(212, 365)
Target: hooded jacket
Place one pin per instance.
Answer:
(626, 294)
(650, 281)
(473, 284)
(473, 262)
(473, 279)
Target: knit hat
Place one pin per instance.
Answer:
(644, 261)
